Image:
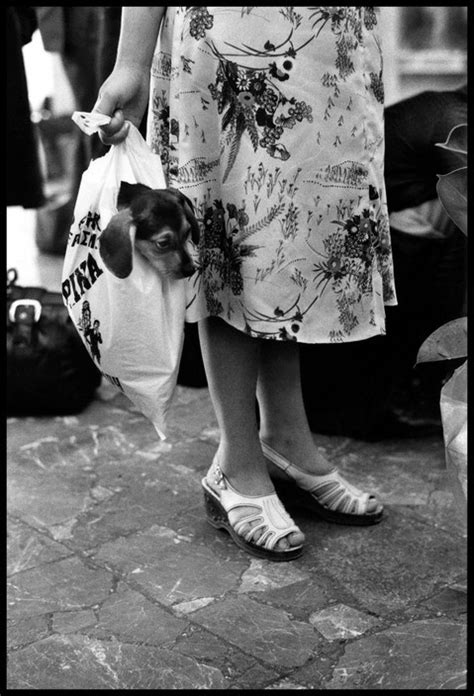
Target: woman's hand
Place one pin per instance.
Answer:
(124, 97)
(124, 94)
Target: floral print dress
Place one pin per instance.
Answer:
(270, 119)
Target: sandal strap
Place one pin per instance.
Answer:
(334, 492)
(269, 512)
(331, 490)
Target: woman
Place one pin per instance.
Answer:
(270, 119)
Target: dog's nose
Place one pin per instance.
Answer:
(188, 269)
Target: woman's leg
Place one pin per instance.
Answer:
(231, 359)
(283, 422)
(284, 425)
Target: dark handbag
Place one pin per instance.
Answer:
(49, 371)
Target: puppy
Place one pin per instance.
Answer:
(157, 222)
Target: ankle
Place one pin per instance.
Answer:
(247, 475)
(301, 452)
(285, 444)
(239, 458)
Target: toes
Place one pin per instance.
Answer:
(296, 538)
(282, 545)
(244, 530)
(372, 505)
(293, 539)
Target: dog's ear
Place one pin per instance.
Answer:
(189, 212)
(128, 192)
(116, 244)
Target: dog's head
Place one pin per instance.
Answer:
(157, 222)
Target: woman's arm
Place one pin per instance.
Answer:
(124, 94)
(138, 34)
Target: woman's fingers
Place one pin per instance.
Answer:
(115, 131)
(115, 137)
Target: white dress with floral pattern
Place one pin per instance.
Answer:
(270, 120)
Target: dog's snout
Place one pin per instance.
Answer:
(188, 269)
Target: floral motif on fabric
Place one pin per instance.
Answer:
(270, 119)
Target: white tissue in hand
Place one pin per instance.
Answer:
(90, 123)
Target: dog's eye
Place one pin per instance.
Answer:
(162, 244)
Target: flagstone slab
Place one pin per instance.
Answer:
(395, 563)
(263, 575)
(27, 548)
(240, 669)
(43, 498)
(25, 630)
(80, 662)
(342, 622)
(285, 684)
(168, 567)
(127, 512)
(265, 632)
(73, 621)
(451, 601)
(129, 617)
(420, 655)
(67, 584)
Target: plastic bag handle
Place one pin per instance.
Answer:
(90, 122)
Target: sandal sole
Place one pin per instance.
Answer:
(218, 518)
(295, 496)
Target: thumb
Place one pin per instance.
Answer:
(116, 130)
(106, 104)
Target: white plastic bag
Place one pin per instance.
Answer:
(132, 327)
(453, 405)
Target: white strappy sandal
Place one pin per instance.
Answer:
(330, 496)
(269, 514)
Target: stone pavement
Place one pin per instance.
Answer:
(117, 581)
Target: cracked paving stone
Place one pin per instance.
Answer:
(450, 601)
(126, 513)
(383, 576)
(137, 472)
(45, 498)
(285, 684)
(306, 595)
(188, 607)
(188, 421)
(254, 678)
(131, 618)
(168, 573)
(73, 621)
(262, 575)
(313, 674)
(269, 634)
(342, 622)
(241, 670)
(420, 655)
(61, 661)
(26, 630)
(27, 548)
(58, 586)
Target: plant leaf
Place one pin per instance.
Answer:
(456, 140)
(252, 130)
(452, 192)
(235, 146)
(446, 343)
(228, 116)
